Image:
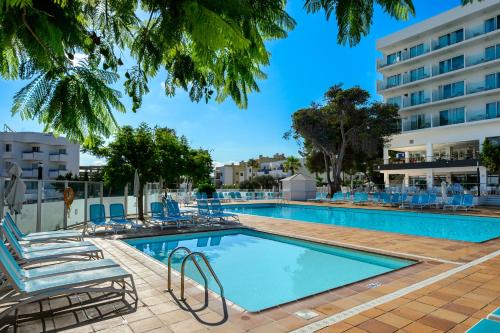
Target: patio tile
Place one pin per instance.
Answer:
(146, 325)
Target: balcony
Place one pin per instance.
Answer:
(33, 156)
(439, 95)
(409, 102)
(29, 173)
(58, 157)
(405, 55)
(57, 172)
(429, 162)
(479, 115)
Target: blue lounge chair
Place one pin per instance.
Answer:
(485, 326)
(249, 195)
(27, 256)
(98, 219)
(424, 200)
(433, 201)
(396, 199)
(386, 199)
(173, 211)
(27, 290)
(43, 237)
(117, 216)
(403, 200)
(158, 217)
(337, 197)
(415, 201)
(360, 198)
(467, 202)
(320, 196)
(375, 197)
(454, 203)
(217, 212)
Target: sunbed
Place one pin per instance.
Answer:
(98, 219)
(29, 290)
(117, 216)
(415, 201)
(158, 217)
(360, 198)
(173, 211)
(467, 202)
(455, 202)
(217, 212)
(32, 256)
(45, 237)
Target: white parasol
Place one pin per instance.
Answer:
(15, 191)
(137, 184)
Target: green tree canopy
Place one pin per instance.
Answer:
(291, 164)
(154, 153)
(71, 51)
(346, 124)
(490, 155)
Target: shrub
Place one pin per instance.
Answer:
(207, 188)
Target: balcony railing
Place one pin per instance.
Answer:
(57, 172)
(33, 155)
(29, 173)
(407, 102)
(469, 33)
(58, 157)
(439, 95)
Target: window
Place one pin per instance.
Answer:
(417, 74)
(489, 53)
(417, 97)
(394, 80)
(62, 167)
(452, 90)
(393, 58)
(416, 50)
(418, 121)
(498, 22)
(8, 147)
(35, 149)
(34, 166)
(491, 110)
(8, 164)
(492, 81)
(452, 116)
(62, 151)
(451, 38)
(394, 100)
(489, 25)
(451, 64)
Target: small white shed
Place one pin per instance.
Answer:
(298, 187)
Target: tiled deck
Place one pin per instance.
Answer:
(451, 304)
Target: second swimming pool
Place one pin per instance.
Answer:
(260, 270)
(447, 226)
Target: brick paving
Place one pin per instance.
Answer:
(449, 305)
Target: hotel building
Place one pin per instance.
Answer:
(444, 74)
(56, 156)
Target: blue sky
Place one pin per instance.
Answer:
(302, 67)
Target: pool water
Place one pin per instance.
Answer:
(453, 227)
(260, 270)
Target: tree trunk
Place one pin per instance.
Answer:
(328, 178)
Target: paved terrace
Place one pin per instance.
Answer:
(451, 288)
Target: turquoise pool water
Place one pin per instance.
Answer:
(260, 270)
(454, 227)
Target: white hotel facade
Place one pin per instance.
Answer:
(444, 74)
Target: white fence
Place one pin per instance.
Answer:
(44, 208)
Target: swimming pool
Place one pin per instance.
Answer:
(453, 227)
(260, 270)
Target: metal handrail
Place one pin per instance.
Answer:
(202, 256)
(169, 267)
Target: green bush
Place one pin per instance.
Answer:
(248, 185)
(207, 188)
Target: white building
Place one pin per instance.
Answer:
(56, 156)
(444, 73)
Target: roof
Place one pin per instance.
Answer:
(298, 176)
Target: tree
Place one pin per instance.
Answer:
(345, 122)
(71, 51)
(154, 153)
(291, 164)
(265, 181)
(253, 164)
(490, 156)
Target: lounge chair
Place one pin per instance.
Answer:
(424, 201)
(337, 197)
(360, 198)
(375, 197)
(27, 256)
(415, 201)
(320, 196)
(117, 216)
(485, 326)
(43, 237)
(433, 202)
(467, 202)
(98, 219)
(249, 195)
(29, 290)
(396, 199)
(217, 212)
(385, 199)
(238, 196)
(454, 203)
(55, 269)
(158, 217)
(173, 211)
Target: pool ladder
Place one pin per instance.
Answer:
(191, 255)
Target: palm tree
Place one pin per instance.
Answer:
(291, 164)
(253, 164)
